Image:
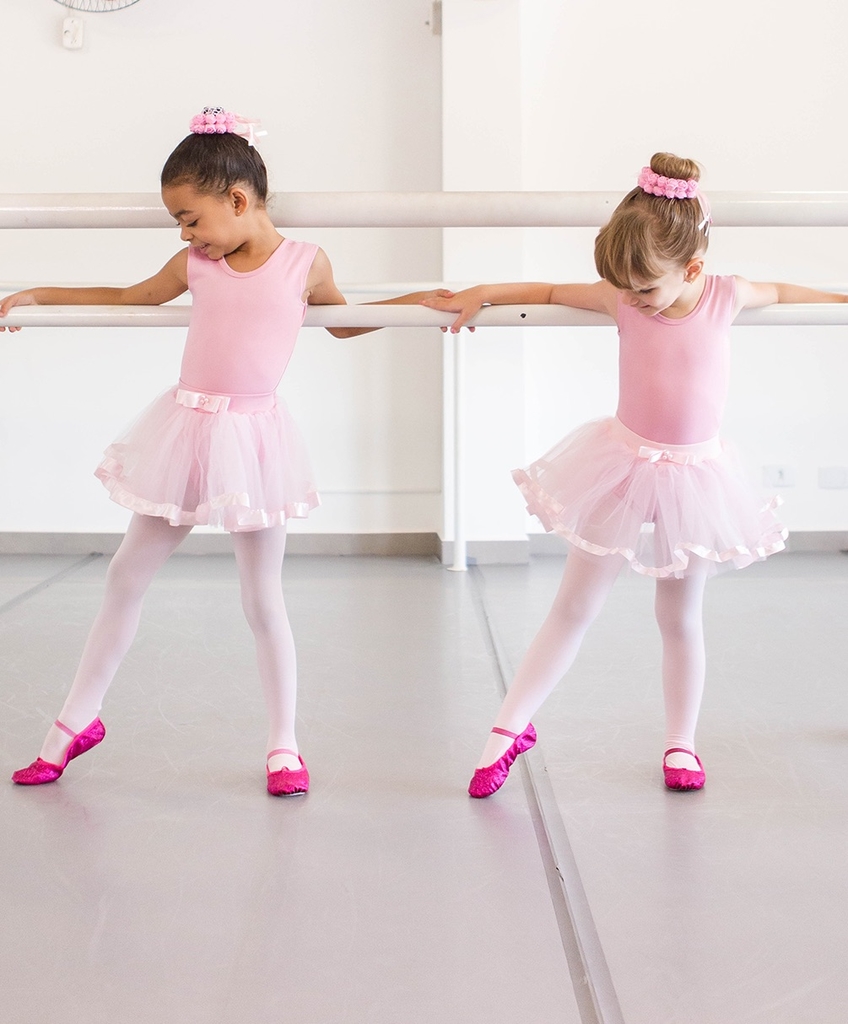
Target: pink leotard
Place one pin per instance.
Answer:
(673, 374)
(244, 325)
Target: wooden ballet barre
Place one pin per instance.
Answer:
(812, 314)
(421, 209)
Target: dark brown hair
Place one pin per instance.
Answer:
(213, 164)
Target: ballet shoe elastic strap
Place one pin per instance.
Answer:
(682, 750)
(282, 750)
(506, 732)
(64, 729)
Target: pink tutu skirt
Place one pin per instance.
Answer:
(611, 492)
(195, 459)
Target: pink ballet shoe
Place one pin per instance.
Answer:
(287, 781)
(41, 771)
(488, 780)
(683, 778)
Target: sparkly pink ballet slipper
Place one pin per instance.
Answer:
(683, 778)
(287, 781)
(488, 780)
(41, 771)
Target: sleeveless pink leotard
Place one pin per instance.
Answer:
(221, 449)
(673, 374)
(244, 325)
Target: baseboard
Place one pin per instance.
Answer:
(818, 540)
(480, 552)
(489, 552)
(420, 544)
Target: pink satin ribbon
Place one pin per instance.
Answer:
(202, 401)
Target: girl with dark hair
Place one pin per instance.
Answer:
(219, 447)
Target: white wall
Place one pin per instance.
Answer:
(754, 92)
(538, 94)
(482, 124)
(349, 94)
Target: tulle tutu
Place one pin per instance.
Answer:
(236, 470)
(654, 509)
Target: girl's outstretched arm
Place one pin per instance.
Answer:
(171, 281)
(321, 290)
(600, 297)
(753, 294)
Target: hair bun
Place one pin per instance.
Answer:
(668, 165)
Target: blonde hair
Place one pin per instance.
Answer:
(647, 232)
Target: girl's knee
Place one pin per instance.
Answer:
(678, 621)
(575, 612)
(125, 578)
(263, 613)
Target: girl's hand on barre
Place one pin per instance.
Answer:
(467, 303)
(434, 293)
(18, 299)
(412, 298)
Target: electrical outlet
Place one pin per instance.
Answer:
(833, 477)
(778, 476)
(72, 33)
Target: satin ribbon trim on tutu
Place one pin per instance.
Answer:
(245, 518)
(740, 556)
(202, 401)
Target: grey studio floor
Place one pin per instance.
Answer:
(157, 882)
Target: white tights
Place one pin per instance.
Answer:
(147, 545)
(585, 585)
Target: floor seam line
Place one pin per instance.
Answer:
(44, 584)
(574, 915)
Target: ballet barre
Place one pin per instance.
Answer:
(420, 209)
(364, 315)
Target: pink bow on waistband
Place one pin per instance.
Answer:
(664, 455)
(199, 400)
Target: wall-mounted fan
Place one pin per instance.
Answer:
(96, 6)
